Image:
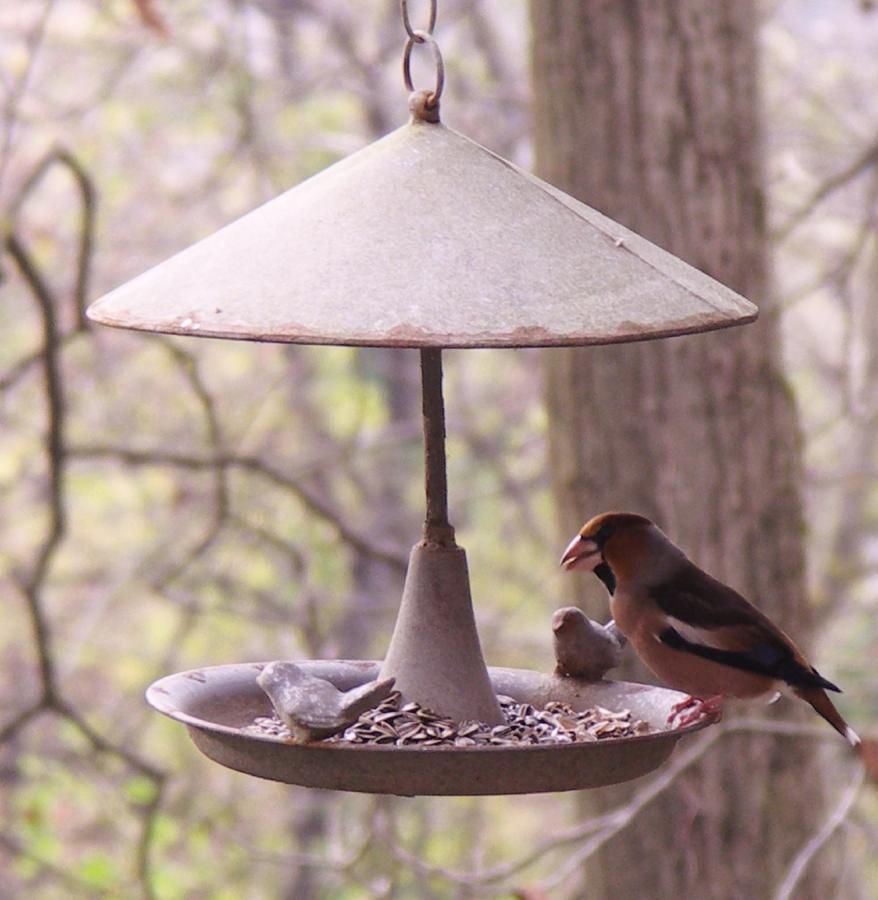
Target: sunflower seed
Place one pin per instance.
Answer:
(413, 725)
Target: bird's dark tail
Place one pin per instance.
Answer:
(824, 706)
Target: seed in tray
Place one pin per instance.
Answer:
(411, 725)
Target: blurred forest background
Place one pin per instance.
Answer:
(173, 503)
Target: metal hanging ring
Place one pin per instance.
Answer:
(423, 37)
(407, 22)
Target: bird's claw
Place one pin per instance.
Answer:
(698, 709)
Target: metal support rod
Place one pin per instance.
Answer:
(437, 530)
(434, 653)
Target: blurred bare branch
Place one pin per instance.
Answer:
(33, 582)
(151, 17)
(313, 502)
(16, 90)
(815, 845)
(581, 841)
(862, 163)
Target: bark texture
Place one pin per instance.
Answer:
(648, 110)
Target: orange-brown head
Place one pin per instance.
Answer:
(630, 545)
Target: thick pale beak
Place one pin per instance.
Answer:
(581, 553)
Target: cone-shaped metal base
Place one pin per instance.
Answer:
(434, 654)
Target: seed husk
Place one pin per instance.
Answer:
(411, 725)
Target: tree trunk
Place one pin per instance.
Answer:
(648, 110)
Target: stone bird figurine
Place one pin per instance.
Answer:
(313, 708)
(583, 648)
(694, 632)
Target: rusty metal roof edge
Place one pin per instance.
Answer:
(445, 342)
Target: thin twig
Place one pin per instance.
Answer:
(60, 156)
(55, 460)
(829, 827)
(597, 831)
(19, 369)
(188, 365)
(842, 269)
(309, 499)
(10, 113)
(863, 162)
(19, 720)
(149, 812)
(14, 847)
(33, 581)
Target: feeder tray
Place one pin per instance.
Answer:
(425, 240)
(218, 703)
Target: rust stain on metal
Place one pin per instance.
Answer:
(414, 334)
(406, 337)
(364, 665)
(530, 335)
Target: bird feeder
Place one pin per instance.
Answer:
(425, 240)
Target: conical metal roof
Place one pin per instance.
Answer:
(421, 239)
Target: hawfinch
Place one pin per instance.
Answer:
(694, 632)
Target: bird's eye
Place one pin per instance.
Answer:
(603, 534)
